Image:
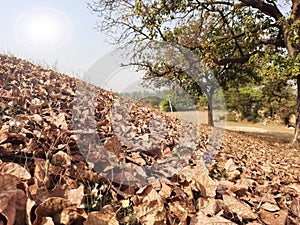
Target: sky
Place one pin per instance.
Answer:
(59, 34)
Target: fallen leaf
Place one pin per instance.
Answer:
(178, 210)
(75, 195)
(103, 218)
(47, 221)
(14, 169)
(52, 207)
(72, 213)
(151, 209)
(295, 207)
(202, 219)
(204, 183)
(3, 136)
(61, 158)
(270, 207)
(242, 210)
(271, 218)
(114, 146)
(11, 198)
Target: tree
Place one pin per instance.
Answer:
(236, 32)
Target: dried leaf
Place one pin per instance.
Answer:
(114, 146)
(61, 158)
(72, 213)
(47, 221)
(60, 121)
(271, 218)
(165, 190)
(75, 195)
(40, 171)
(270, 207)
(242, 210)
(5, 94)
(14, 169)
(103, 218)
(3, 136)
(11, 198)
(52, 207)
(204, 183)
(178, 210)
(202, 219)
(295, 207)
(151, 210)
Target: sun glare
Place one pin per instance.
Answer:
(42, 29)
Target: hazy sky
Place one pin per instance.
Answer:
(51, 32)
(60, 34)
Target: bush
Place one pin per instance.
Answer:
(165, 105)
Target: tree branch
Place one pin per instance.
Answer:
(267, 8)
(237, 60)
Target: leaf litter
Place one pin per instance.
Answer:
(129, 164)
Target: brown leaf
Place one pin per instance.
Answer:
(8, 184)
(270, 207)
(209, 206)
(72, 213)
(3, 136)
(40, 171)
(47, 221)
(178, 210)
(75, 195)
(242, 210)
(10, 210)
(5, 94)
(202, 219)
(150, 210)
(103, 218)
(295, 207)
(11, 198)
(293, 221)
(29, 205)
(61, 158)
(52, 207)
(204, 183)
(271, 218)
(37, 118)
(165, 190)
(114, 146)
(14, 169)
(60, 121)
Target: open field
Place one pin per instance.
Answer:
(279, 132)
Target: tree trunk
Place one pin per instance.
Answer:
(297, 130)
(210, 116)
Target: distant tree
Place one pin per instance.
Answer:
(224, 33)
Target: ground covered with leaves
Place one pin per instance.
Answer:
(72, 153)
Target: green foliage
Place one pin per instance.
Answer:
(247, 101)
(179, 100)
(250, 47)
(166, 105)
(253, 103)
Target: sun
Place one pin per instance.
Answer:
(43, 29)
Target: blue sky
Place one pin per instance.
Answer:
(81, 48)
(59, 34)
(75, 45)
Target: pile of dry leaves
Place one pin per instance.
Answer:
(72, 153)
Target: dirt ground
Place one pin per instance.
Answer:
(279, 133)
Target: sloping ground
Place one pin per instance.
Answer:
(76, 154)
